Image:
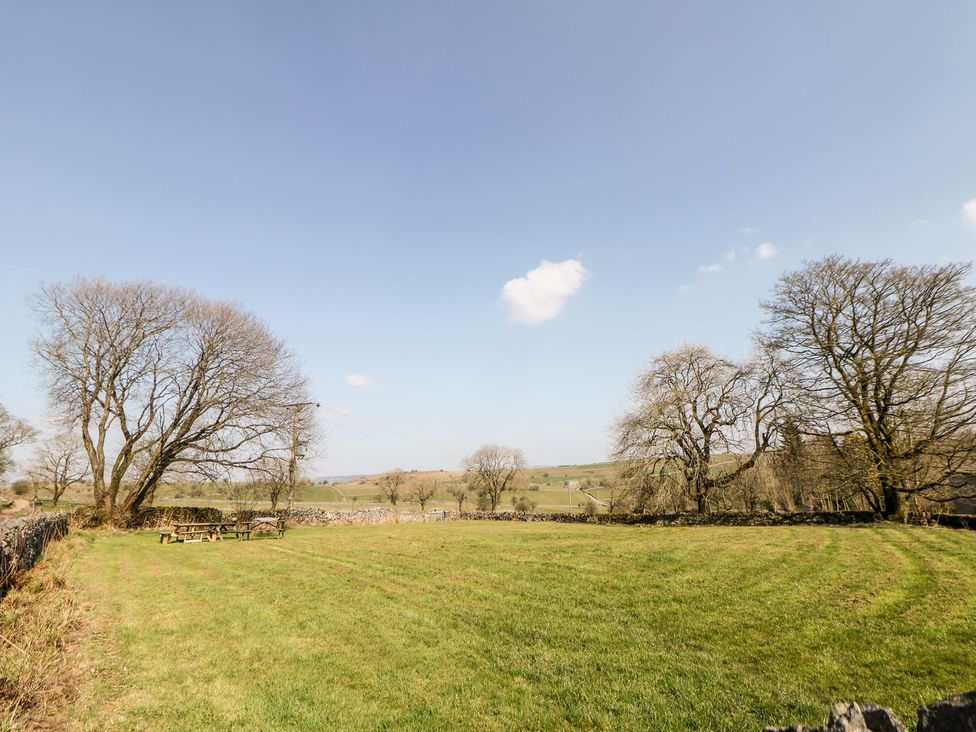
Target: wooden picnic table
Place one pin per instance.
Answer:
(261, 523)
(193, 531)
(190, 531)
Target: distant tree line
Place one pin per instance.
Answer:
(861, 393)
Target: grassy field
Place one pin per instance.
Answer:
(466, 625)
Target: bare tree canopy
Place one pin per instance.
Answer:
(13, 432)
(459, 491)
(423, 491)
(495, 469)
(271, 479)
(692, 407)
(59, 462)
(391, 486)
(886, 352)
(159, 379)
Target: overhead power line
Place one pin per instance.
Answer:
(412, 448)
(421, 445)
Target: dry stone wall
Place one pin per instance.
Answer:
(158, 516)
(22, 541)
(955, 714)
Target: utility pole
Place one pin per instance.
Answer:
(294, 458)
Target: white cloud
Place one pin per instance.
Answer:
(968, 213)
(766, 250)
(917, 223)
(730, 255)
(541, 294)
(710, 268)
(748, 231)
(685, 289)
(359, 381)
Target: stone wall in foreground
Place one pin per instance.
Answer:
(22, 542)
(955, 714)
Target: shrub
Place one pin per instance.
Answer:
(523, 504)
(482, 502)
(21, 487)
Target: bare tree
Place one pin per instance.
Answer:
(616, 495)
(59, 463)
(243, 496)
(790, 464)
(391, 486)
(271, 477)
(495, 469)
(691, 408)
(460, 491)
(13, 433)
(887, 352)
(157, 379)
(423, 491)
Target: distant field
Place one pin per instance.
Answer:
(467, 625)
(544, 486)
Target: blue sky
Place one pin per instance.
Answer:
(367, 177)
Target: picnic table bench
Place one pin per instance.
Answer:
(261, 523)
(190, 531)
(194, 531)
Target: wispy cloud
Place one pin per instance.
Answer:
(359, 381)
(685, 289)
(968, 213)
(918, 223)
(748, 231)
(731, 254)
(766, 250)
(713, 268)
(541, 294)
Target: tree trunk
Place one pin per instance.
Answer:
(892, 501)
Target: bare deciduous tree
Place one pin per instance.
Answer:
(887, 352)
(693, 407)
(59, 463)
(391, 486)
(494, 470)
(13, 433)
(243, 496)
(270, 475)
(157, 379)
(460, 491)
(423, 491)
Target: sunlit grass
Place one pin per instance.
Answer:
(466, 625)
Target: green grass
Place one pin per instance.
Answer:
(469, 625)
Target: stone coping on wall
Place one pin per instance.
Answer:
(22, 542)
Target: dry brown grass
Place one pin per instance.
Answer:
(41, 619)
